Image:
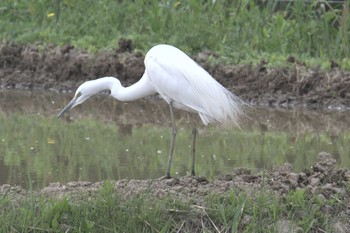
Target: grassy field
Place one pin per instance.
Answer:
(239, 31)
(105, 211)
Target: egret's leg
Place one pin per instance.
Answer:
(194, 134)
(172, 144)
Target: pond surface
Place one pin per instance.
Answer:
(107, 139)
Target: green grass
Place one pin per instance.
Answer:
(239, 31)
(106, 211)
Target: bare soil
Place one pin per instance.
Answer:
(323, 179)
(64, 68)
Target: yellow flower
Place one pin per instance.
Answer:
(177, 4)
(50, 15)
(51, 141)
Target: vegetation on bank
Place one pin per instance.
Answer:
(244, 31)
(236, 211)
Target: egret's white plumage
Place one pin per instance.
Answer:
(180, 81)
(176, 77)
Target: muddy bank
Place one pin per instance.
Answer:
(323, 182)
(322, 179)
(64, 68)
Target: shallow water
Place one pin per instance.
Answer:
(107, 139)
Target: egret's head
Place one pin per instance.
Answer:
(88, 89)
(84, 91)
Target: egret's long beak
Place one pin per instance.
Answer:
(69, 106)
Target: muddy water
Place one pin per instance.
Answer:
(105, 138)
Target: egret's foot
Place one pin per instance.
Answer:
(193, 173)
(202, 179)
(170, 181)
(166, 177)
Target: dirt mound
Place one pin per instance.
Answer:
(64, 68)
(323, 180)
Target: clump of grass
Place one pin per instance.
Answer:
(106, 211)
(266, 212)
(240, 31)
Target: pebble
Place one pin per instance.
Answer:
(314, 181)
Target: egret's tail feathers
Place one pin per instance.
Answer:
(226, 111)
(224, 107)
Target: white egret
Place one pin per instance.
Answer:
(181, 82)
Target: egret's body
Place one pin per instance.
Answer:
(180, 81)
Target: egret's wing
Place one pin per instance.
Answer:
(173, 86)
(177, 77)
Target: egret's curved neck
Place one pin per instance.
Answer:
(136, 91)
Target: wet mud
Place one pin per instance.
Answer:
(323, 179)
(64, 68)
